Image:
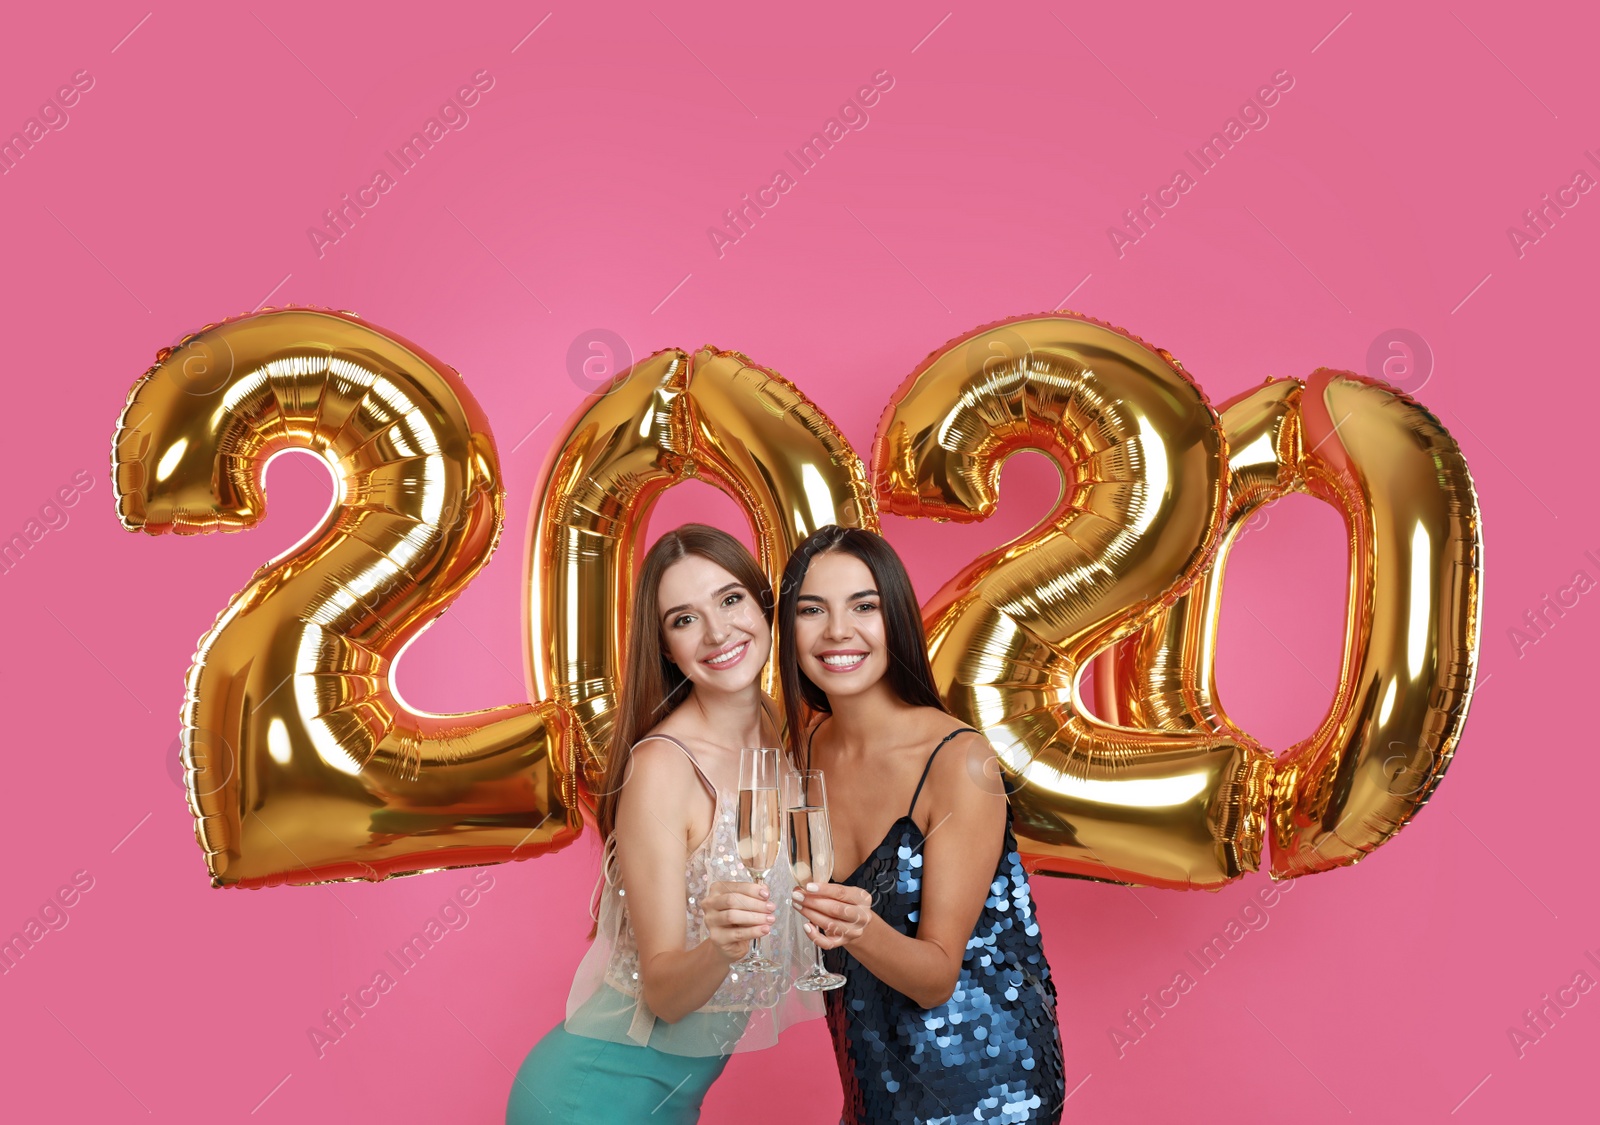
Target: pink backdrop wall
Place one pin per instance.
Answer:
(1377, 193)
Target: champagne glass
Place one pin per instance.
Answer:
(760, 832)
(811, 859)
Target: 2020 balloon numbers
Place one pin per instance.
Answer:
(303, 766)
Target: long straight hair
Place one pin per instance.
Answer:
(909, 674)
(652, 686)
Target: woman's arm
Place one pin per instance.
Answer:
(966, 805)
(654, 824)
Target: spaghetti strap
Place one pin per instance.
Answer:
(923, 779)
(688, 754)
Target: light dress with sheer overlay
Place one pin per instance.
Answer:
(612, 1060)
(748, 1010)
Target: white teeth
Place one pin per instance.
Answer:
(730, 655)
(844, 661)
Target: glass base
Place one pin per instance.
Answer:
(755, 964)
(819, 982)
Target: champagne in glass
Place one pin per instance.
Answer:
(760, 832)
(810, 845)
(811, 860)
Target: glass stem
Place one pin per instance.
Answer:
(758, 948)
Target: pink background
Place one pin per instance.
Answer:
(579, 196)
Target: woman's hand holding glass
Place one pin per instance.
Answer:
(736, 915)
(835, 915)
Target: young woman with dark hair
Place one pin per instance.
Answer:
(948, 1011)
(654, 1010)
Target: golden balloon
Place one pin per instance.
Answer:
(1142, 455)
(302, 765)
(1415, 608)
(714, 416)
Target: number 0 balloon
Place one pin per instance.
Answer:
(713, 416)
(1410, 652)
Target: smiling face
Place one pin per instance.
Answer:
(712, 626)
(840, 641)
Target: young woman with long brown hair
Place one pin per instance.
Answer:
(948, 1010)
(654, 1010)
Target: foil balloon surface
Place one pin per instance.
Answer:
(301, 763)
(713, 416)
(1414, 612)
(1143, 457)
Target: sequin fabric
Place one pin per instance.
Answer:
(715, 860)
(992, 1052)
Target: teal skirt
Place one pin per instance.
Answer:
(570, 1078)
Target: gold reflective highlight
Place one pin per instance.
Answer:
(1412, 623)
(713, 416)
(301, 763)
(1142, 454)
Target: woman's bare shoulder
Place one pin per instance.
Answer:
(968, 760)
(655, 760)
(939, 724)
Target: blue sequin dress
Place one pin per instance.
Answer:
(992, 1052)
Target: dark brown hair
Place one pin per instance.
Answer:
(652, 687)
(909, 673)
